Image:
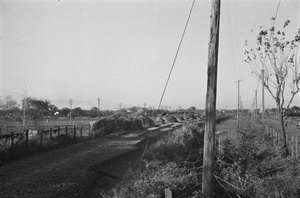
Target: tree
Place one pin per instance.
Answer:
(65, 111)
(52, 109)
(78, 112)
(9, 109)
(37, 110)
(279, 58)
(192, 109)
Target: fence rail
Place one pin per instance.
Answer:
(68, 130)
(292, 141)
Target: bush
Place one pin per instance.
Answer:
(178, 145)
(250, 167)
(167, 164)
(155, 176)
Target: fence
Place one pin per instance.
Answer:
(292, 142)
(56, 131)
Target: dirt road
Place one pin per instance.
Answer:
(60, 173)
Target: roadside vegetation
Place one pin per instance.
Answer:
(246, 166)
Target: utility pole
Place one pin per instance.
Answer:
(98, 108)
(238, 109)
(263, 95)
(71, 112)
(24, 113)
(210, 106)
(255, 104)
(24, 107)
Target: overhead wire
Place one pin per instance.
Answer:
(175, 58)
(178, 48)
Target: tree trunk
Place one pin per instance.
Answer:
(282, 126)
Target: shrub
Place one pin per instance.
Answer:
(167, 164)
(250, 167)
(155, 176)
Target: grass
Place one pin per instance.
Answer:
(246, 166)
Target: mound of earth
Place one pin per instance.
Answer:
(170, 119)
(120, 122)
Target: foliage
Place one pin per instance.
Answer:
(37, 109)
(78, 112)
(248, 166)
(9, 109)
(279, 58)
(168, 163)
(65, 111)
(155, 176)
(177, 146)
(251, 167)
(121, 122)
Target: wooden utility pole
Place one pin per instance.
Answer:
(98, 108)
(255, 104)
(24, 107)
(71, 112)
(238, 107)
(210, 106)
(263, 95)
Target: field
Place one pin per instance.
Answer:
(47, 123)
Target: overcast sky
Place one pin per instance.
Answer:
(122, 51)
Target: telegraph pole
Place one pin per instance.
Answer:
(263, 95)
(256, 104)
(24, 108)
(71, 112)
(238, 109)
(210, 106)
(98, 108)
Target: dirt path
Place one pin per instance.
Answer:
(60, 173)
(120, 166)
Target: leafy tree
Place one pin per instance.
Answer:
(9, 109)
(52, 109)
(78, 112)
(279, 58)
(65, 111)
(37, 110)
(94, 112)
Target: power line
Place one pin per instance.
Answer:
(187, 22)
(168, 77)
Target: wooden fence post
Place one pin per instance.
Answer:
(26, 146)
(168, 193)
(268, 129)
(221, 143)
(58, 131)
(81, 131)
(66, 130)
(89, 130)
(51, 130)
(12, 142)
(115, 193)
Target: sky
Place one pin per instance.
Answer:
(122, 51)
